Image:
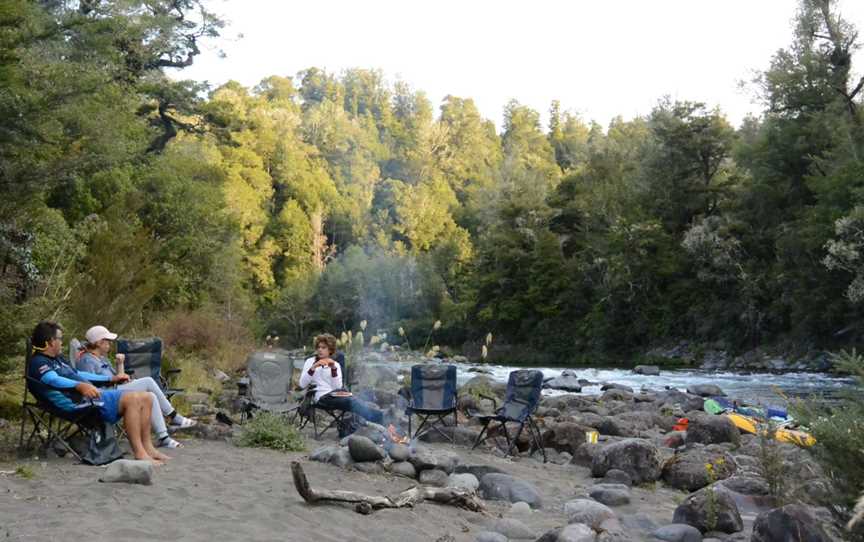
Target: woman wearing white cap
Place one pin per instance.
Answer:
(95, 360)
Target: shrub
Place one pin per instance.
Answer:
(267, 430)
(838, 428)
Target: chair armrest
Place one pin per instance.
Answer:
(491, 398)
(129, 372)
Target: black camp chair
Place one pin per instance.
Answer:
(144, 358)
(433, 398)
(52, 427)
(520, 401)
(308, 412)
(269, 384)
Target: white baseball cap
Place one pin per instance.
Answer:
(97, 333)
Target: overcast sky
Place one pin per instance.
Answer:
(600, 59)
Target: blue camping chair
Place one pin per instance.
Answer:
(520, 401)
(433, 398)
(52, 427)
(144, 358)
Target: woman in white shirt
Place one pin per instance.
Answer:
(326, 374)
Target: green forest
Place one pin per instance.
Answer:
(312, 202)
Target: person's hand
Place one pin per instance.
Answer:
(87, 390)
(120, 378)
(120, 358)
(324, 362)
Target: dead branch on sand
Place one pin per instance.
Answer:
(366, 504)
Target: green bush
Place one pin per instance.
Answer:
(267, 430)
(838, 428)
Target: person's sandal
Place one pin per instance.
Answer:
(168, 442)
(181, 422)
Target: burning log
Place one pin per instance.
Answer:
(366, 504)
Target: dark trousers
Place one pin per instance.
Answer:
(354, 405)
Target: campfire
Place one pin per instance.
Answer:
(394, 435)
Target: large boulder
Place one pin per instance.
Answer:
(705, 390)
(363, 449)
(686, 401)
(424, 459)
(708, 429)
(791, 523)
(616, 427)
(616, 394)
(648, 370)
(565, 436)
(564, 382)
(464, 481)
(589, 512)
(710, 509)
(638, 458)
(503, 487)
(478, 471)
(689, 470)
(746, 485)
(613, 386)
(463, 436)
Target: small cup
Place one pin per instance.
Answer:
(591, 437)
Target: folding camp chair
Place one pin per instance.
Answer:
(53, 427)
(520, 401)
(269, 381)
(433, 398)
(144, 358)
(307, 412)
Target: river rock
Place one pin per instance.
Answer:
(615, 476)
(575, 532)
(617, 394)
(433, 477)
(503, 487)
(708, 429)
(489, 536)
(705, 390)
(369, 467)
(478, 470)
(400, 452)
(610, 494)
(423, 459)
(404, 468)
(638, 458)
(463, 436)
(746, 485)
(564, 436)
(323, 454)
(688, 470)
(129, 471)
(648, 370)
(463, 481)
(340, 458)
(566, 383)
(512, 528)
(678, 532)
(790, 523)
(520, 509)
(363, 449)
(589, 512)
(699, 507)
(613, 386)
(687, 402)
(616, 427)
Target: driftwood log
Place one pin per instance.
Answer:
(366, 504)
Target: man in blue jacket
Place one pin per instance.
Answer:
(52, 380)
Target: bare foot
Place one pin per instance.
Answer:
(155, 454)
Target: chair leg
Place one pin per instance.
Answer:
(516, 438)
(480, 438)
(536, 438)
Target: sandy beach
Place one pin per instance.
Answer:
(213, 490)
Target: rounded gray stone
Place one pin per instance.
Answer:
(576, 532)
(610, 494)
(363, 449)
(404, 468)
(433, 477)
(464, 481)
(678, 532)
(512, 529)
(591, 513)
(489, 536)
(520, 509)
(400, 452)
